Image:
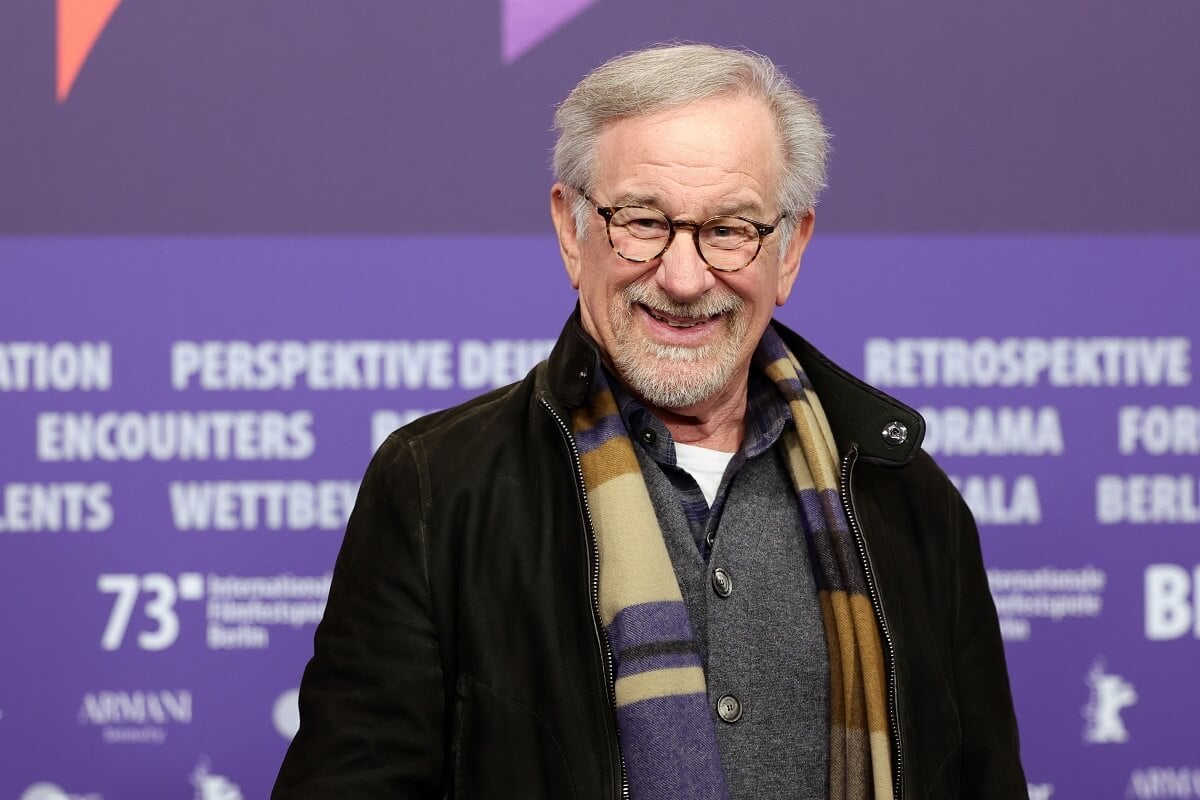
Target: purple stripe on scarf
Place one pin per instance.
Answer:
(652, 636)
(604, 429)
(831, 549)
(790, 388)
(770, 349)
(638, 661)
(665, 621)
(670, 748)
(819, 506)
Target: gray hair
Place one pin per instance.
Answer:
(659, 78)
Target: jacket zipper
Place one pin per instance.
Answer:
(848, 462)
(594, 574)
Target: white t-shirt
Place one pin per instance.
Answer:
(706, 466)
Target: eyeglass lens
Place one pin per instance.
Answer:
(642, 233)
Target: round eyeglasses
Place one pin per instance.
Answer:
(726, 243)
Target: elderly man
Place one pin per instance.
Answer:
(686, 557)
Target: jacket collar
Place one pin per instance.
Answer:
(573, 364)
(882, 429)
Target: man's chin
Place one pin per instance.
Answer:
(676, 380)
(671, 356)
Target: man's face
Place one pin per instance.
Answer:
(677, 333)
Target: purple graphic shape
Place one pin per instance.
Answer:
(525, 23)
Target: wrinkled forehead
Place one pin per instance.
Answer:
(721, 150)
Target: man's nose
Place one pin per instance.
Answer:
(682, 273)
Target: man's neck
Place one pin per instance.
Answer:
(718, 423)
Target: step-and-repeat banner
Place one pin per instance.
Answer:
(210, 318)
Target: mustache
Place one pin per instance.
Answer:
(710, 305)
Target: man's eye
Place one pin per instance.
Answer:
(727, 234)
(647, 225)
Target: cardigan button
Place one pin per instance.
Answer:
(895, 433)
(722, 582)
(729, 708)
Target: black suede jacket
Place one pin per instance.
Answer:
(461, 655)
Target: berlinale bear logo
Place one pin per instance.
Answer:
(210, 786)
(1109, 695)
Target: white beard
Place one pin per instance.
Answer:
(672, 376)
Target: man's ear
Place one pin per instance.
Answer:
(789, 266)
(561, 201)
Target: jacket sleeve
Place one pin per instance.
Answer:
(991, 756)
(372, 708)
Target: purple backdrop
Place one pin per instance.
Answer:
(187, 408)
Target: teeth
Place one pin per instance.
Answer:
(673, 323)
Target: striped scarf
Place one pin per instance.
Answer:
(667, 729)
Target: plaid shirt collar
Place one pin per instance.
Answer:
(766, 415)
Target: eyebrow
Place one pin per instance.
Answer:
(628, 199)
(725, 210)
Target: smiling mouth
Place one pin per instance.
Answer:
(677, 322)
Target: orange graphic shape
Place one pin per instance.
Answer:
(80, 23)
